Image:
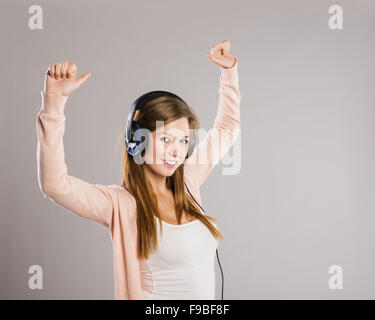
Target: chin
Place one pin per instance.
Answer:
(168, 172)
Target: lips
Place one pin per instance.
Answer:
(170, 163)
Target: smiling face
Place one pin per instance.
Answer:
(169, 142)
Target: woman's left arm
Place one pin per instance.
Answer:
(221, 137)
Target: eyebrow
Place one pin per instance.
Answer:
(170, 134)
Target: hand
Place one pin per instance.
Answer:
(61, 78)
(220, 54)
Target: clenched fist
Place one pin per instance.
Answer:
(220, 54)
(61, 78)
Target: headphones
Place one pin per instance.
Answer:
(133, 133)
(135, 144)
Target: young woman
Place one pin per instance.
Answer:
(164, 245)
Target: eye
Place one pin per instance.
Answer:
(186, 141)
(162, 139)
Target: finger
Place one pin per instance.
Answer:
(213, 58)
(213, 50)
(72, 70)
(64, 68)
(226, 46)
(217, 50)
(53, 71)
(209, 57)
(83, 78)
(57, 70)
(222, 48)
(49, 70)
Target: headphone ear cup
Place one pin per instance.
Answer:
(135, 131)
(144, 144)
(191, 148)
(136, 138)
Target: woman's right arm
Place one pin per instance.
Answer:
(91, 201)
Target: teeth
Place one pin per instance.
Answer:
(170, 162)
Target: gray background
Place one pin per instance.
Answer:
(304, 197)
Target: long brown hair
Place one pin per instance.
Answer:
(134, 179)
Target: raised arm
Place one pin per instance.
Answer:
(91, 201)
(226, 127)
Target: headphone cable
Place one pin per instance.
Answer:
(217, 252)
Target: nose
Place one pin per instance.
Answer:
(173, 150)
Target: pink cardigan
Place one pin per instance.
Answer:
(112, 205)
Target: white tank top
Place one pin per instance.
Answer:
(183, 266)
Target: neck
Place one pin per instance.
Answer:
(157, 182)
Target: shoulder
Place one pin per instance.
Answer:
(124, 196)
(193, 188)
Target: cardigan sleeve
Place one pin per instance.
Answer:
(91, 201)
(224, 132)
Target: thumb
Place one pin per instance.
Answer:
(209, 56)
(212, 58)
(83, 78)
